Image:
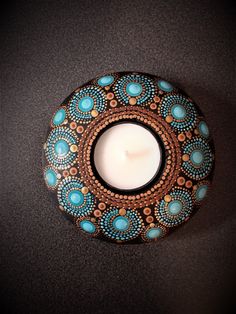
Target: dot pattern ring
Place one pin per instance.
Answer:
(152, 211)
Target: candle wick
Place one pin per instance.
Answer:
(137, 154)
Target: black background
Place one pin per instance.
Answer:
(48, 48)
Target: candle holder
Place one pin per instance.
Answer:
(180, 174)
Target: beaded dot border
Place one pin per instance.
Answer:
(111, 103)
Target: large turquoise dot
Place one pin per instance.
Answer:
(201, 192)
(175, 207)
(51, 177)
(61, 148)
(154, 233)
(121, 223)
(203, 129)
(86, 104)
(59, 116)
(165, 86)
(76, 198)
(178, 112)
(87, 226)
(197, 157)
(134, 89)
(106, 80)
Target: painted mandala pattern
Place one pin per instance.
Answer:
(135, 86)
(73, 200)
(200, 159)
(58, 152)
(180, 110)
(121, 227)
(176, 210)
(87, 103)
(172, 196)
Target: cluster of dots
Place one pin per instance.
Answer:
(91, 214)
(180, 112)
(58, 152)
(86, 104)
(134, 85)
(72, 199)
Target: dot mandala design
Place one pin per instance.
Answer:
(72, 199)
(85, 102)
(121, 227)
(182, 112)
(200, 159)
(58, 144)
(175, 211)
(152, 211)
(134, 86)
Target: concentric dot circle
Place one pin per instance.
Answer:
(200, 191)
(200, 161)
(82, 103)
(165, 86)
(88, 226)
(175, 212)
(71, 198)
(57, 149)
(182, 111)
(134, 85)
(121, 228)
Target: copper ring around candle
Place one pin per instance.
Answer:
(142, 214)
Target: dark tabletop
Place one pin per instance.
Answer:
(48, 48)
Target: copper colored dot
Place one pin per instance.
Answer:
(110, 96)
(132, 101)
(113, 103)
(93, 219)
(97, 213)
(73, 148)
(84, 190)
(167, 198)
(181, 181)
(185, 157)
(189, 134)
(189, 184)
(195, 187)
(152, 225)
(122, 211)
(73, 125)
(102, 206)
(147, 211)
(73, 171)
(153, 106)
(94, 113)
(156, 99)
(181, 137)
(196, 131)
(65, 173)
(107, 87)
(169, 119)
(80, 129)
(149, 219)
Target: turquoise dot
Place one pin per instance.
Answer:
(203, 129)
(87, 226)
(201, 192)
(59, 116)
(86, 104)
(197, 157)
(165, 86)
(61, 148)
(106, 80)
(121, 223)
(134, 89)
(178, 112)
(154, 233)
(76, 198)
(175, 207)
(51, 177)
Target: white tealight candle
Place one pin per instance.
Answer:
(127, 156)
